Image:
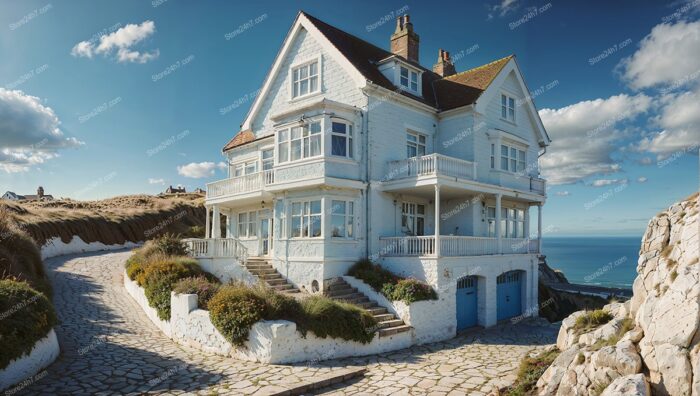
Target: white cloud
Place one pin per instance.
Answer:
(563, 193)
(667, 56)
(642, 179)
(679, 120)
(156, 181)
(584, 135)
(30, 132)
(122, 41)
(198, 170)
(608, 182)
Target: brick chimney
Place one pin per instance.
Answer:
(444, 65)
(404, 41)
(40, 192)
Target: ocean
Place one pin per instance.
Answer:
(601, 261)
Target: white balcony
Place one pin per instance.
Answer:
(241, 184)
(431, 165)
(455, 246)
(216, 248)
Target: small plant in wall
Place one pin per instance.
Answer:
(392, 286)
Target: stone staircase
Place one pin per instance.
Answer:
(387, 322)
(261, 268)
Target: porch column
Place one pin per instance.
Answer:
(216, 223)
(539, 227)
(527, 223)
(207, 223)
(437, 220)
(229, 231)
(498, 222)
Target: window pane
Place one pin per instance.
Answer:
(421, 139)
(504, 150)
(420, 226)
(313, 69)
(511, 114)
(295, 90)
(420, 151)
(303, 87)
(503, 100)
(338, 207)
(296, 150)
(303, 72)
(521, 230)
(242, 217)
(284, 152)
(504, 163)
(521, 166)
(414, 86)
(351, 208)
(252, 217)
(267, 154)
(314, 127)
(296, 209)
(252, 229)
(512, 165)
(404, 73)
(242, 229)
(410, 151)
(513, 153)
(511, 103)
(338, 127)
(338, 145)
(315, 145)
(338, 226)
(316, 226)
(316, 207)
(313, 84)
(350, 225)
(411, 138)
(283, 135)
(296, 226)
(420, 209)
(492, 212)
(503, 111)
(521, 155)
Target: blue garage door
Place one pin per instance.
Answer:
(466, 302)
(508, 289)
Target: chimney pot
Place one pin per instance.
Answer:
(444, 65)
(404, 41)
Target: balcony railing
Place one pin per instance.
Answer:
(538, 185)
(216, 248)
(455, 246)
(241, 184)
(432, 164)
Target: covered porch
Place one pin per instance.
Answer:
(464, 223)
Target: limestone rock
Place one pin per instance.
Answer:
(622, 357)
(629, 385)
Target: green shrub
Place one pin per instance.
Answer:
(235, 308)
(530, 370)
(26, 316)
(159, 278)
(195, 232)
(329, 318)
(409, 291)
(201, 286)
(591, 320)
(393, 287)
(233, 311)
(152, 251)
(20, 258)
(170, 244)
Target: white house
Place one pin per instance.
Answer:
(352, 151)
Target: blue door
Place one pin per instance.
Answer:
(508, 290)
(466, 302)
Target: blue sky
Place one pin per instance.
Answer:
(155, 102)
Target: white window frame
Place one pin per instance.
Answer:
(347, 136)
(243, 167)
(507, 107)
(515, 157)
(347, 215)
(306, 218)
(247, 223)
(304, 139)
(512, 222)
(294, 80)
(417, 143)
(412, 77)
(412, 217)
(270, 162)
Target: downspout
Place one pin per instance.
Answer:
(368, 161)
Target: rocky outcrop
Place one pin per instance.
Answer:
(548, 275)
(652, 342)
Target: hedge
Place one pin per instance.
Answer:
(160, 276)
(26, 316)
(394, 287)
(204, 288)
(235, 308)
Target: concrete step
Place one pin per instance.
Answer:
(274, 282)
(258, 271)
(338, 284)
(348, 297)
(377, 310)
(385, 324)
(285, 286)
(393, 330)
(384, 316)
(367, 304)
(340, 292)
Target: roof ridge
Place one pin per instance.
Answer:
(478, 67)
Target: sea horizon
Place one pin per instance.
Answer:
(609, 261)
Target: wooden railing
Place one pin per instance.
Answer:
(241, 184)
(454, 246)
(216, 248)
(432, 164)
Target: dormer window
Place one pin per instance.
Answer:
(408, 79)
(305, 79)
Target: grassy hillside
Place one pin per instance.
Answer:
(111, 221)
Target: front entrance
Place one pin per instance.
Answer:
(266, 227)
(508, 291)
(466, 302)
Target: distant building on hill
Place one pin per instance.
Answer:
(40, 196)
(175, 190)
(199, 191)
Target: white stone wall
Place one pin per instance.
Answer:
(56, 247)
(227, 269)
(276, 342)
(44, 352)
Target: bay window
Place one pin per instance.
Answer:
(342, 219)
(341, 139)
(299, 142)
(306, 219)
(305, 79)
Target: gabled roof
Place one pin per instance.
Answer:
(360, 56)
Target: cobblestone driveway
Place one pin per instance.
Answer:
(109, 346)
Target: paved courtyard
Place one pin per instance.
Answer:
(109, 346)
